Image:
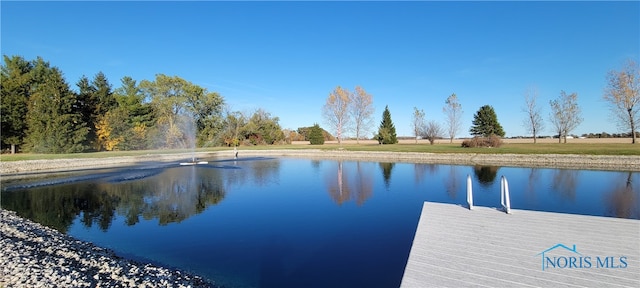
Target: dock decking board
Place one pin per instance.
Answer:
(484, 247)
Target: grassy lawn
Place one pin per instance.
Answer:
(514, 148)
(29, 156)
(520, 148)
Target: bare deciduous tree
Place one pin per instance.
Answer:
(418, 123)
(533, 122)
(432, 131)
(565, 114)
(336, 111)
(453, 111)
(623, 95)
(361, 110)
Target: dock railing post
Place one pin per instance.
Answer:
(469, 192)
(505, 199)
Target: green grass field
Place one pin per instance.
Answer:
(508, 148)
(519, 148)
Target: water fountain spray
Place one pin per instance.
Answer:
(189, 137)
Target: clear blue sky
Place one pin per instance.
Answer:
(286, 57)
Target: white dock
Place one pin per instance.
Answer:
(484, 247)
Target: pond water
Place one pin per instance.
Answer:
(287, 222)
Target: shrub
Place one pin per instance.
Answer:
(491, 141)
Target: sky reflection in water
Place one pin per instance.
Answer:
(297, 223)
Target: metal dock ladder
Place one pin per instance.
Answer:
(505, 198)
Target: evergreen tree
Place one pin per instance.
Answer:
(95, 100)
(387, 131)
(128, 124)
(130, 97)
(39, 73)
(15, 85)
(54, 119)
(102, 95)
(87, 107)
(101, 101)
(485, 123)
(315, 135)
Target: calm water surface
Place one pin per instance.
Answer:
(285, 222)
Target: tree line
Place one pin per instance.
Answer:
(621, 94)
(351, 111)
(346, 111)
(42, 114)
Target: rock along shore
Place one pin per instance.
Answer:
(33, 255)
(568, 161)
(36, 256)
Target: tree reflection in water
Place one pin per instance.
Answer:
(264, 172)
(342, 188)
(453, 182)
(288, 231)
(176, 193)
(171, 196)
(179, 193)
(261, 171)
(316, 164)
(564, 183)
(623, 201)
(534, 180)
(421, 170)
(486, 174)
(337, 186)
(58, 206)
(386, 173)
(363, 184)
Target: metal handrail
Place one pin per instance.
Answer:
(469, 192)
(505, 199)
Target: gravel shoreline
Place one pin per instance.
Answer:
(37, 256)
(565, 161)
